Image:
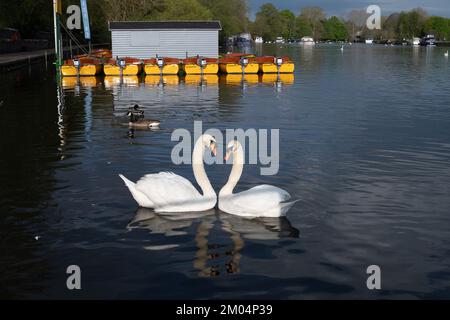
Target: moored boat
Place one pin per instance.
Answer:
(259, 40)
(270, 64)
(101, 53)
(122, 66)
(279, 40)
(307, 41)
(429, 40)
(165, 66)
(238, 63)
(82, 66)
(194, 65)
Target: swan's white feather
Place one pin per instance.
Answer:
(140, 197)
(260, 201)
(170, 192)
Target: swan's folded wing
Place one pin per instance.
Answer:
(167, 188)
(260, 198)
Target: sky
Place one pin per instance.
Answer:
(342, 7)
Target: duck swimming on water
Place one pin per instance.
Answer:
(135, 122)
(136, 111)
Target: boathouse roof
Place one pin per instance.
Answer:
(145, 25)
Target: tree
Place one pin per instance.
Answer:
(183, 10)
(390, 26)
(356, 22)
(411, 24)
(302, 27)
(438, 26)
(268, 22)
(334, 29)
(232, 15)
(313, 18)
(28, 16)
(132, 10)
(287, 19)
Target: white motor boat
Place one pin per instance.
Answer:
(279, 40)
(307, 41)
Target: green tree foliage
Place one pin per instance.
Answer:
(303, 28)
(411, 23)
(271, 23)
(182, 10)
(334, 29)
(268, 22)
(28, 16)
(390, 24)
(288, 24)
(313, 17)
(232, 15)
(131, 10)
(438, 26)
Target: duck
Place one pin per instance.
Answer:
(135, 122)
(136, 111)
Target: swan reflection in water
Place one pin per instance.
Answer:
(212, 257)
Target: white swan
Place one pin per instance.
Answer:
(260, 201)
(446, 54)
(169, 192)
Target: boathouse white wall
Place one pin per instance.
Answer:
(170, 42)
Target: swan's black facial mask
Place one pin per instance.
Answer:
(229, 153)
(213, 148)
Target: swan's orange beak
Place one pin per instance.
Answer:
(213, 149)
(227, 156)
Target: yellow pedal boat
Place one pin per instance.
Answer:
(82, 67)
(170, 66)
(130, 67)
(194, 65)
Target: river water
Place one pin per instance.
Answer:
(364, 145)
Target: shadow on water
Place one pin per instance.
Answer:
(29, 147)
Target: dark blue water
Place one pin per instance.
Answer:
(364, 145)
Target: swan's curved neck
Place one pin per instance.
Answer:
(236, 172)
(199, 169)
